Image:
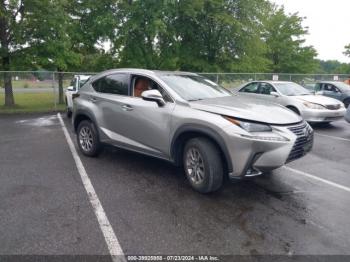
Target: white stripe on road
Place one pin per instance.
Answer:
(111, 239)
(334, 137)
(318, 179)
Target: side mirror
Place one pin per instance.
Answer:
(70, 88)
(154, 96)
(275, 94)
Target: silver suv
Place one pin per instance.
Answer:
(188, 120)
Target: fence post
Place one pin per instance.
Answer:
(217, 78)
(54, 91)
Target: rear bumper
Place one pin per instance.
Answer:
(317, 116)
(252, 157)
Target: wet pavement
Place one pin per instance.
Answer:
(45, 210)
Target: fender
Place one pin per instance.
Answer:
(211, 133)
(86, 113)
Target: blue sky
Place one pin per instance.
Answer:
(328, 22)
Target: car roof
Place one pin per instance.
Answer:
(271, 81)
(145, 71)
(329, 82)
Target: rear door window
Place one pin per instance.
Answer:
(266, 89)
(117, 84)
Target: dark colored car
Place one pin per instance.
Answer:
(334, 89)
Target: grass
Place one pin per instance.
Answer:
(31, 103)
(35, 84)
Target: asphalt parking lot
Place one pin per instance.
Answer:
(45, 209)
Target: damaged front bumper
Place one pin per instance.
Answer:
(252, 157)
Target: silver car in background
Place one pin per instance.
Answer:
(312, 108)
(190, 121)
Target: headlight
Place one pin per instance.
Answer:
(313, 105)
(253, 127)
(249, 126)
(258, 131)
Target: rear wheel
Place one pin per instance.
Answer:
(87, 138)
(203, 165)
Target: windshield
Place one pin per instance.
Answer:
(82, 82)
(194, 87)
(292, 89)
(343, 86)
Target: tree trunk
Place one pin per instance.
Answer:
(5, 55)
(9, 99)
(60, 87)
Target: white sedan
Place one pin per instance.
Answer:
(313, 108)
(77, 82)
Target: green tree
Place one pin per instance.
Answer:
(35, 33)
(57, 49)
(284, 36)
(96, 26)
(217, 35)
(146, 36)
(11, 39)
(347, 50)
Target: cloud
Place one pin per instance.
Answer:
(328, 23)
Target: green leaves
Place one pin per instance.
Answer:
(196, 35)
(284, 35)
(347, 50)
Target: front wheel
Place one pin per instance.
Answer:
(87, 138)
(203, 165)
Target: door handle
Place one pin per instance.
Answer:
(93, 99)
(127, 108)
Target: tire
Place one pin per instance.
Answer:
(295, 110)
(204, 156)
(87, 139)
(69, 113)
(347, 102)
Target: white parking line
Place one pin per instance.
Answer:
(111, 239)
(334, 137)
(318, 178)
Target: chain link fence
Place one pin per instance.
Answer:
(43, 91)
(36, 91)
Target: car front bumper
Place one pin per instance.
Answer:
(252, 157)
(317, 116)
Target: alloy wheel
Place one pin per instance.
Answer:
(195, 165)
(86, 138)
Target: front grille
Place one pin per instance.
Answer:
(333, 107)
(303, 143)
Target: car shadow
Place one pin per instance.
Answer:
(323, 126)
(155, 172)
(161, 188)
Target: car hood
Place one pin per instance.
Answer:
(318, 99)
(247, 108)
